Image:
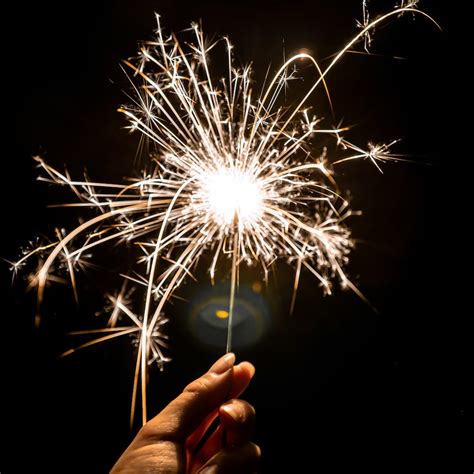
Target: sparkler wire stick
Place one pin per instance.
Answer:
(233, 280)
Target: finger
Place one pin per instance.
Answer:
(200, 398)
(242, 374)
(237, 419)
(239, 460)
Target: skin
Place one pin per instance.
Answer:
(167, 443)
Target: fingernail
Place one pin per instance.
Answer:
(223, 364)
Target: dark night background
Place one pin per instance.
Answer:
(338, 387)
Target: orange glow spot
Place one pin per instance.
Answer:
(222, 313)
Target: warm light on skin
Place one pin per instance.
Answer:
(230, 193)
(222, 314)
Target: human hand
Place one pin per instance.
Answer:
(167, 443)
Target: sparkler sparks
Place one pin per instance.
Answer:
(232, 175)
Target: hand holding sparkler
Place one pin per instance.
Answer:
(173, 440)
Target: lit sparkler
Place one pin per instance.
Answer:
(232, 175)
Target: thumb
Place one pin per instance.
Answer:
(200, 398)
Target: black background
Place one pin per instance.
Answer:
(338, 387)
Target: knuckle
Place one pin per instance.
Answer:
(146, 431)
(153, 431)
(245, 412)
(201, 384)
(247, 408)
(150, 430)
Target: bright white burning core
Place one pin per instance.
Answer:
(231, 193)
